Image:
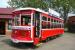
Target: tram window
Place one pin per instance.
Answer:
(44, 25)
(55, 21)
(44, 18)
(58, 21)
(52, 25)
(51, 20)
(48, 25)
(48, 19)
(16, 21)
(34, 19)
(44, 22)
(25, 20)
(60, 25)
(56, 25)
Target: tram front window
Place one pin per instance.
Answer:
(25, 20)
(16, 21)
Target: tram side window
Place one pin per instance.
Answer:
(51, 20)
(62, 25)
(59, 25)
(59, 22)
(54, 21)
(54, 24)
(44, 22)
(51, 23)
(44, 18)
(48, 23)
(48, 19)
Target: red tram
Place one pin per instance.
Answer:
(33, 25)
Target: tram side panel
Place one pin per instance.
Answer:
(51, 32)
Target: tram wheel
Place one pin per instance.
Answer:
(37, 45)
(46, 40)
(53, 37)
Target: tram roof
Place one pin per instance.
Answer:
(29, 8)
(51, 12)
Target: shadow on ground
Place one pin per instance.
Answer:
(71, 32)
(24, 45)
(19, 46)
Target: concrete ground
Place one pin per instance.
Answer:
(65, 42)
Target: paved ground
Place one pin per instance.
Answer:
(65, 42)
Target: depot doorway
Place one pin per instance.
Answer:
(2, 27)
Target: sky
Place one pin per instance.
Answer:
(3, 3)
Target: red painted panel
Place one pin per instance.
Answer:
(51, 32)
(26, 12)
(22, 12)
(21, 35)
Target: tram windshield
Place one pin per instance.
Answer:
(16, 21)
(23, 20)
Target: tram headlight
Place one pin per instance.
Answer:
(29, 31)
(15, 32)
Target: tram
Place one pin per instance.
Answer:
(32, 25)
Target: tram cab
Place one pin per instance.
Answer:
(26, 26)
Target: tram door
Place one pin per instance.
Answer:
(36, 23)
